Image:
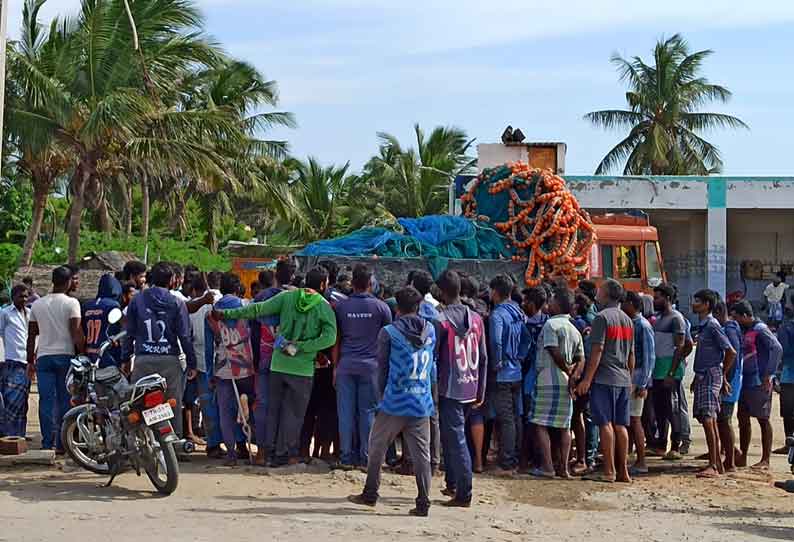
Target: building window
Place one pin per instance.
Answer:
(628, 262)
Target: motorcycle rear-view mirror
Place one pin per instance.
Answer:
(114, 316)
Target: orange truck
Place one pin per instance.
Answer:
(627, 250)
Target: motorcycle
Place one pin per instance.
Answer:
(114, 423)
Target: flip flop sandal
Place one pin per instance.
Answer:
(537, 473)
(599, 477)
(707, 475)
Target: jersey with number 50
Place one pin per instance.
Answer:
(461, 363)
(408, 387)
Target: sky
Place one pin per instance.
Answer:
(349, 69)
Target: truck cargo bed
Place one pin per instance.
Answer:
(394, 271)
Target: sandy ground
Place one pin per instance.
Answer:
(309, 503)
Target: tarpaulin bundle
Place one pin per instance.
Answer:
(435, 238)
(538, 215)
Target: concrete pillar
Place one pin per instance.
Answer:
(716, 249)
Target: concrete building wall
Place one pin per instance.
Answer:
(638, 193)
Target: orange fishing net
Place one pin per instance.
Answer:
(544, 223)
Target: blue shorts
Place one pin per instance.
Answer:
(609, 405)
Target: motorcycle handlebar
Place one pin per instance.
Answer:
(111, 340)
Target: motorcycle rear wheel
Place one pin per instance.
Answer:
(78, 450)
(162, 469)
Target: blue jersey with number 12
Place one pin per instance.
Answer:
(408, 391)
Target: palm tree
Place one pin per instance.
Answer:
(101, 99)
(415, 180)
(664, 118)
(37, 155)
(239, 91)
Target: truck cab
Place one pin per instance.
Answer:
(628, 251)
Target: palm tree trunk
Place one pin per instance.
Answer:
(179, 222)
(103, 216)
(212, 237)
(41, 189)
(145, 208)
(126, 196)
(79, 182)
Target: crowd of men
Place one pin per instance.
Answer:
(425, 376)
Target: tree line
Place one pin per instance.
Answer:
(129, 108)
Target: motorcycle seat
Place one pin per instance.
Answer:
(108, 375)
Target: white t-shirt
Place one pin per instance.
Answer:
(52, 313)
(774, 294)
(197, 329)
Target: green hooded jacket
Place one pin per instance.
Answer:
(305, 318)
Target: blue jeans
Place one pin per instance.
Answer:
(53, 398)
(356, 402)
(457, 460)
(227, 405)
(209, 411)
(260, 408)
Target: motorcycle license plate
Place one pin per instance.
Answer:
(158, 414)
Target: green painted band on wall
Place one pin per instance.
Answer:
(717, 193)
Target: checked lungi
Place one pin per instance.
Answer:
(14, 391)
(708, 386)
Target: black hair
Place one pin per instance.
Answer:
(362, 277)
(73, 268)
(161, 275)
(178, 271)
(256, 287)
(190, 272)
(127, 287)
(450, 284)
(332, 268)
(634, 299)
(667, 290)
(316, 277)
(285, 270)
(410, 278)
(28, 280)
(408, 299)
(230, 284)
(18, 289)
(707, 296)
(614, 290)
(133, 268)
(469, 287)
(582, 304)
(720, 306)
(214, 280)
(743, 308)
(564, 297)
(588, 288)
(61, 276)
(298, 280)
(503, 285)
(266, 278)
(537, 296)
(422, 281)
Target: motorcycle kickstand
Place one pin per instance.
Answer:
(113, 475)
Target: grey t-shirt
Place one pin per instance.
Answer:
(614, 329)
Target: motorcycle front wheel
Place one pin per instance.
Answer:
(161, 465)
(77, 448)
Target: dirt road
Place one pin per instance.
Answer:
(245, 503)
(308, 504)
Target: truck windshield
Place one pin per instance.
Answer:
(628, 262)
(652, 263)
